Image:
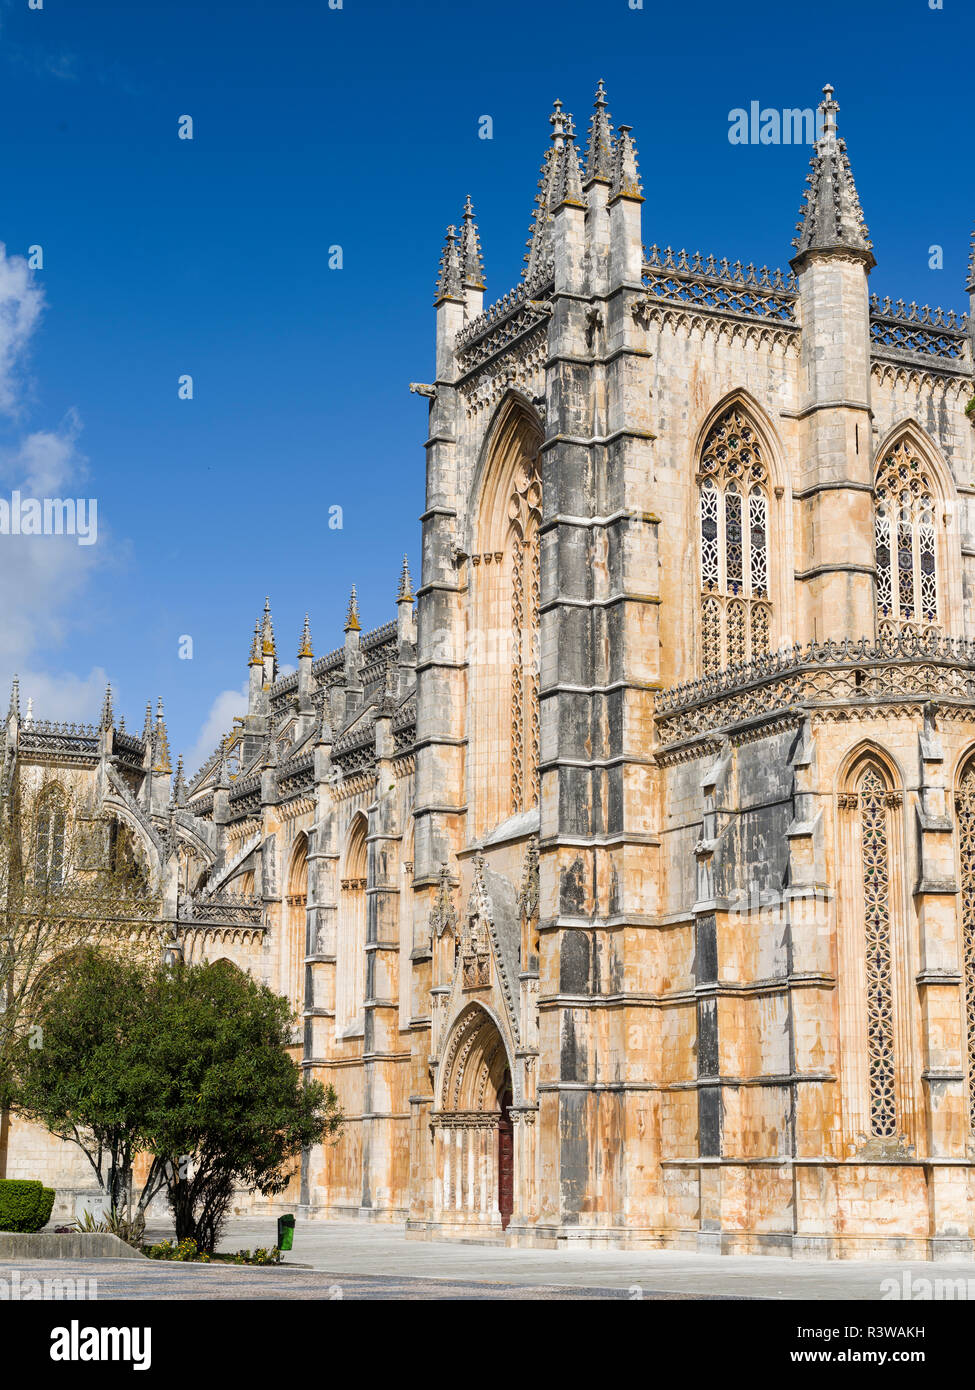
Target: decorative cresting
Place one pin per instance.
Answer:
(736, 612)
(873, 798)
(839, 673)
(965, 808)
(524, 514)
(904, 520)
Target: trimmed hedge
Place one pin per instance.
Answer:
(25, 1206)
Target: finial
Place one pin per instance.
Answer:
(599, 149)
(121, 724)
(162, 761)
(829, 108)
(267, 630)
(147, 726)
(568, 183)
(14, 707)
(449, 283)
(108, 718)
(970, 287)
(557, 122)
(256, 659)
(305, 648)
(352, 616)
(405, 594)
(472, 266)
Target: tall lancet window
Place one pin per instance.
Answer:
(736, 610)
(524, 514)
(907, 570)
(965, 808)
(874, 799)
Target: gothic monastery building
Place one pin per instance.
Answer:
(623, 884)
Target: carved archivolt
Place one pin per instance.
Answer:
(475, 1065)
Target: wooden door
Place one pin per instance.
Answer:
(506, 1163)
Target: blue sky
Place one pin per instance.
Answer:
(357, 127)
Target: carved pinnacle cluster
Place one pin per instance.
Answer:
(450, 283)
(539, 254)
(832, 218)
(179, 784)
(599, 149)
(472, 265)
(568, 180)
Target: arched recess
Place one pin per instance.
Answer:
(744, 535)
(965, 820)
(474, 1158)
(875, 956)
(916, 530)
(350, 954)
(293, 964)
(506, 515)
(48, 847)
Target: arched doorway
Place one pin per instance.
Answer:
(472, 1128)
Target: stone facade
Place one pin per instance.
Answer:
(624, 885)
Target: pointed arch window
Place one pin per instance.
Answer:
(965, 808)
(524, 512)
(350, 965)
(873, 798)
(736, 609)
(905, 543)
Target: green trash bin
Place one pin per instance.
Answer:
(286, 1232)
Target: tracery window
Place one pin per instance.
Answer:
(965, 808)
(873, 799)
(736, 609)
(905, 544)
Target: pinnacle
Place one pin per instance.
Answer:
(305, 647)
(569, 179)
(14, 707)
(267, 630)
(626, 174)
(472, 265)
(256, 658)
(405, 593)
(832, 218)
(449, 283)
(599, 149)
(162, 761)
(352, 616)
(970, 287)
(108, 718)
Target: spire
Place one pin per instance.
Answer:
(267, 630)
(568, 184)
(162, 761)
(305, 647)
(626, 175)
(472, 266)
(256, 659)
(14, 707)
(832, 218)
(970, 287)
(108, 717)
(599, 149)
(352, 616)
(147, 726)
(449, 283)
(539, 256)
(405, 593)
(179, 785)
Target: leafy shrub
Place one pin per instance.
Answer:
(115, 1224)
(25, 1205)
(186, 1250)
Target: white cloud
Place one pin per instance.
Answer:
(21, 301)
(74, 698)
(218, 722)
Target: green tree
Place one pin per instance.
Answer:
(89, 1080)
(228, 1107)
(186, 1063)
